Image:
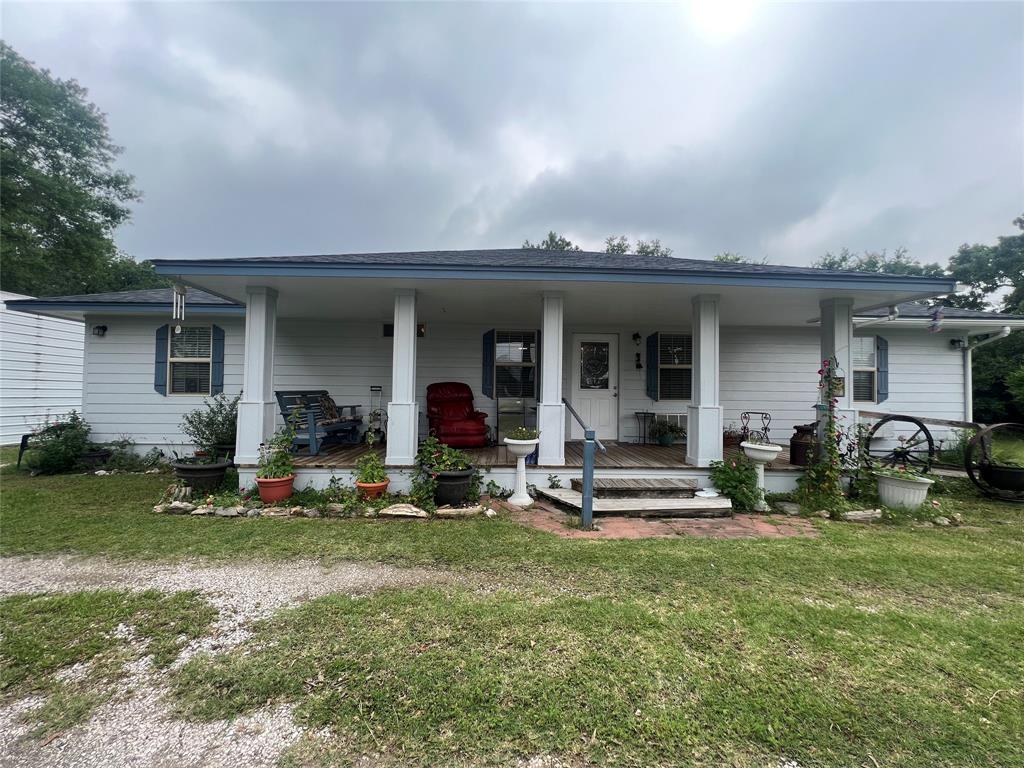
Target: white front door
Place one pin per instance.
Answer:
(595, 384)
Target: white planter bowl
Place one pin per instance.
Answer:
(760, 453)
(903, 492)
(521, 447)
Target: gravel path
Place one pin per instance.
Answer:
(134, 727)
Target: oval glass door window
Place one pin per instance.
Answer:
(594, 365)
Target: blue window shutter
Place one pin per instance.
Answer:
(539, 368)
(652, 366)
(160, 360)
(882, 366)
(217, 362)
(487, 379)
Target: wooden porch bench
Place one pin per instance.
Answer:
(312, 428)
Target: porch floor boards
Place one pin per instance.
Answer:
(618, 456)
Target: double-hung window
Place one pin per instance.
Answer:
(670, 366)
(515, 363)
(190, 360)
(865, 370)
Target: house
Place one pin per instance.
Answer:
(536, 335)
(40, 369)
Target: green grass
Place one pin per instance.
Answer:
(894, 644)
(43, 635)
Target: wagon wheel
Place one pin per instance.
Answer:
(987, 466)
(915, 452)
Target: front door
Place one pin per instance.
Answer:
(595, 384)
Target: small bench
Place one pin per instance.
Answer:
(312, 429)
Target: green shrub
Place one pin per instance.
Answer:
(370, 468)
(737, 479)
(58, 445)
(212, 428)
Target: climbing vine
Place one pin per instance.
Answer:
(821, 487)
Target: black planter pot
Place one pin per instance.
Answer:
(201, 477)
(95, 458)
(1003, 478)
(452, 487)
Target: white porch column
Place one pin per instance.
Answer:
(704, 415)
(550, 410)
(403, 414)
(837, 342)
(257, 408)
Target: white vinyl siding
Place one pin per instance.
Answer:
(40, 369)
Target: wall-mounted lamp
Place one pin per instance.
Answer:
(99, 330)
(636, 339)
(957, 343)
(639, 365)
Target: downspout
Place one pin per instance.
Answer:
(969, 369)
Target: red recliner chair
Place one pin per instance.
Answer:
(451, 415)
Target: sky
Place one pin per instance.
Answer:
(778, 131)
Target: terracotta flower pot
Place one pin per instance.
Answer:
(274, 489)
(372, 490)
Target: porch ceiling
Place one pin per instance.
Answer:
(509, 301)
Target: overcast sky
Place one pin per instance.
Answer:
(778, 131)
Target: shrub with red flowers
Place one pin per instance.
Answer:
(737, 479)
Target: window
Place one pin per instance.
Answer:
(865, 369)
(515, 363)
(675, 366)
(190, 360)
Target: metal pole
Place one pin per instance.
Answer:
(588, 480)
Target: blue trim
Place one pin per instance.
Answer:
(160, 360)
(703, 277)
(217, 361)
(124, 307)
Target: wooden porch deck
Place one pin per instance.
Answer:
(618, 456)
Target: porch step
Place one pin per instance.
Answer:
(638, 487)
(674, 507)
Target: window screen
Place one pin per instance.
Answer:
(675, 366)
(864, 371)
(189, 360)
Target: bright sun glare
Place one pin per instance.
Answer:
(719, 21)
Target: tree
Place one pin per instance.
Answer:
(899, 263)
(61, 198)
(553, 242)
(989, 269)
(728, 257)
(651, 248)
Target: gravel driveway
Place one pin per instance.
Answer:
(134, 727)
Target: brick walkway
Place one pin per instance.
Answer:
(546, 518)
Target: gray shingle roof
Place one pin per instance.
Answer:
(914, 310)
(147, 296)
(538, 258)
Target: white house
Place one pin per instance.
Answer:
(40, 369)
(699, 342)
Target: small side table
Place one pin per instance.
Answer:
(642, 418)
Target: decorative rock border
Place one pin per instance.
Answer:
(395, 511)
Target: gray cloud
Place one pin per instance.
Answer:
(259, 129)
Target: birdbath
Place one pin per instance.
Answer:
(521, 449)
(760, 454)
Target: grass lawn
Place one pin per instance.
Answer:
(887, 645)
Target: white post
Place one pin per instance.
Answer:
(837, 342)
(550, 410)
(704, 415)
(257, 408)
(403, 414)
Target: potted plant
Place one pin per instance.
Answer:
(731, 436)
(900, 488)
(665, 433)
(371, 476)
(759, 450)
(451, 470)
(275, 471)
(213, 427)
(1004, 472)
(521, 442)
(95, 456)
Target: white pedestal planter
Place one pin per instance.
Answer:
(521, 449)
(903, 492)
(760, 454)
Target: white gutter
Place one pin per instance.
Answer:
(894, 312)
(969, 348)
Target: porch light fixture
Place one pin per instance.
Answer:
(99, 330)
(639, 365)
(636, 340)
